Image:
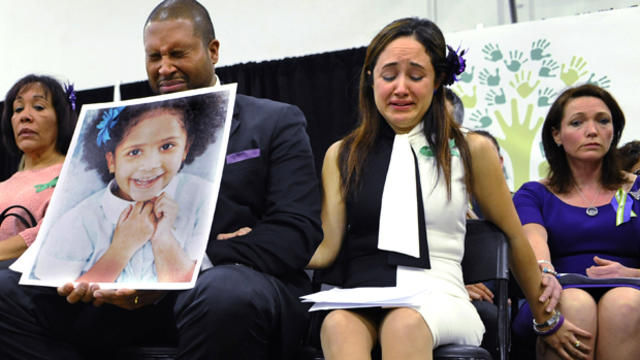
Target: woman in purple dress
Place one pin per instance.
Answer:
(582, 219)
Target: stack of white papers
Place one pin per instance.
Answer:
(363, 297)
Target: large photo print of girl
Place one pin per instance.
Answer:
(145, 223)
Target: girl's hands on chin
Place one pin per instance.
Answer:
(165, 212)
(135, 227)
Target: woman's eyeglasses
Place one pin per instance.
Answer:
(637, 172)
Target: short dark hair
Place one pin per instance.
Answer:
(203, 115)
(629, 154)
(458, 107)
(560, 177)
(66, 117)
(489, 136)
(185, 9)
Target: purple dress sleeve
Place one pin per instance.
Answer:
(528, 201)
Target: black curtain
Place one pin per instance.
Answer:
(324, 86)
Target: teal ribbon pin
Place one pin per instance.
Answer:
(50, 184)
(426, 150)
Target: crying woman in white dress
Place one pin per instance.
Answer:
(395, 196)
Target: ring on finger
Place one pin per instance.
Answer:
(577, 344)
(137, 299)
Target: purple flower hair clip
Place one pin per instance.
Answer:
(71, 94)
(457, 64)
(109, 120)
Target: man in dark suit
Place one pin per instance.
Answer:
(267, 225)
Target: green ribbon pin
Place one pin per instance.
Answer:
(426, 150)
(622, 207)
(50, 184)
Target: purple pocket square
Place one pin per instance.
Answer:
(243, 155)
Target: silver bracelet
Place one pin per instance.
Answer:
(549, 323)
(544, 262)
(547, 270)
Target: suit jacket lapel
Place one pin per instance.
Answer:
(235, 120)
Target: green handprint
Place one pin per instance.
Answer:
(603, 82)
(522, 86)
(493, 98)
(487, 79)
(547, 67)
(537, 48)
(544, 96)
(572, 74)
(518, 142)
(493, 53)
(515, 60)
(469, 101)
(484, 120)
(467, 76)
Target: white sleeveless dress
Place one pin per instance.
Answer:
(445, 307)
(438, 293)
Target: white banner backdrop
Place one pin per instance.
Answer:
(515, 72)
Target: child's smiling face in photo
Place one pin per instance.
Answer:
(149, 155)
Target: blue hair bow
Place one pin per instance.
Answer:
(109, 120)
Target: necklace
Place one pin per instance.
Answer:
(591, 210)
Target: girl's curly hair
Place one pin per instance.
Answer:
(203, 115)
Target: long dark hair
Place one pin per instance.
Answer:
(560, 177)
(439, 126)
(65, 115)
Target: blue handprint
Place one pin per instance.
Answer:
(545, 95)
(467, 76)
(603, 82)
(493, 98)
(487, 79)
(515, 62)
(483, 120)
(493, 52)
(547, 67)
(537, 48)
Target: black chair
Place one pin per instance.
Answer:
(485, 258)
